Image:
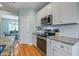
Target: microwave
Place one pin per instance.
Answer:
(47, 20)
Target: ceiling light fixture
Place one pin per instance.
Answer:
(1, 5)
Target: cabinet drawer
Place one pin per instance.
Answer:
(49, 54)
(53, 51)
(60, 52)
(64, 47)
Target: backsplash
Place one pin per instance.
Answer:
(66, 30)
(69, 31)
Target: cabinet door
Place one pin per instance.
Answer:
(56, 12)
(63, 49)
(53, 48)
(35, 40)
(63, 12)
(49, 47)
(68, 12)
(60, 52)
(48, 9)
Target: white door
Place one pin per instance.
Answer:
(24, 29)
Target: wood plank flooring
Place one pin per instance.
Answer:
(27, 50)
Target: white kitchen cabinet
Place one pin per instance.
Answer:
(63, 49)
(68, 12)
(45, 11)
(56, 13)
(62, 12)
(56, 48)
(49, 48)
(35, 40)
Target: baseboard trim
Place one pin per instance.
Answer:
(25, 43)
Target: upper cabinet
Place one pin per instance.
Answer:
(62, 12)
(47, 10)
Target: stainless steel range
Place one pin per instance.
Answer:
(41, 39)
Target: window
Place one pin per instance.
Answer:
(13, 26)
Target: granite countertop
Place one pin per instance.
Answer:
(5, 41)
(8, 42)
(63, 39)
(67, 40)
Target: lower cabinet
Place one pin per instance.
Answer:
(56, 48)
(49, 48)
(34, 40)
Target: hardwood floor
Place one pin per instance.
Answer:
(27, 50)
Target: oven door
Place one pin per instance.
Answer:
(41, 44)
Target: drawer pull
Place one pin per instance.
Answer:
(62, 46)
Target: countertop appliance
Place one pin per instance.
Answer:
(47, 20)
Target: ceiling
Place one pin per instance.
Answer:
(15, 6)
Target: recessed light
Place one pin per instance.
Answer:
(1, 5)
